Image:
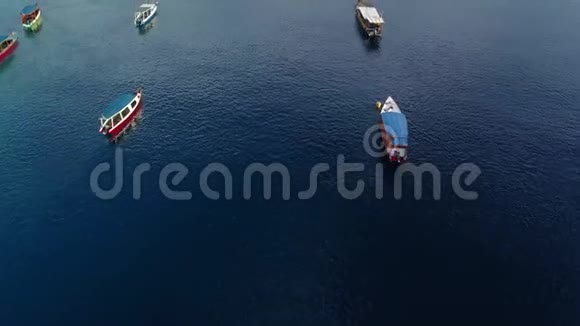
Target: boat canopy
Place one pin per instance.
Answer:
(145, 7)
(395, 124)
(371, 15)
(4, 38)
(29, 9)
(118, 105)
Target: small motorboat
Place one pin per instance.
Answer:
(31, 17)
(145, 14)
(8, 43)
(369, 19)
(393, 125)
(120, 115)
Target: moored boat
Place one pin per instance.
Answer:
(369, 19)
(145, 14)
(8, 43)
(394, 131)
(31, 17)
(120, 115)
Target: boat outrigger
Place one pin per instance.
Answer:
(8, 43)
(369, 19)
(145, 14)
(121, 114)
(393, 125)
(31, 17)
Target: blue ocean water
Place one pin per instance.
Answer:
(495, 83)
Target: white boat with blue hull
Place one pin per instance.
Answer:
(393, 125)
(145, 14)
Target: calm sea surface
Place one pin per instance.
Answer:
(495, 83)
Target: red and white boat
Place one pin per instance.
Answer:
(8, 43)
(121, 114)
(394, 131)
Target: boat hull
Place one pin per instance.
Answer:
(8, 51)
(35, 25)
(123, 126)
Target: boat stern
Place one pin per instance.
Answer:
(375, 33)
(35, 25)
(397, 155)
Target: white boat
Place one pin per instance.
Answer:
(145, 14)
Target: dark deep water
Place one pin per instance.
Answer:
(495, 83)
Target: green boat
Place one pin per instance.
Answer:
(31, 18)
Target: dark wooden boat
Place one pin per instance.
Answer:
(369, 19)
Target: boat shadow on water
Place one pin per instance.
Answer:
(32, 34)
(146, 28)
(4, 64)
(371, 44)
(387, 176)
